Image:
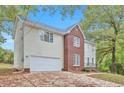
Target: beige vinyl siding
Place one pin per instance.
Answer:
(33, 46)
(89, 55)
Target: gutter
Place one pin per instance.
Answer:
(38, 26)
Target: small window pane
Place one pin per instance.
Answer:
(92, 61)
(88, 61)
(76, 41)
(46, 36)
(41, 36)
(51, 38)
(76, 60)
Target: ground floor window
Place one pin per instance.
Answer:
(88, 61)
(92, 61)
(76, 60)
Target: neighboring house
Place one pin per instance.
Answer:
(39, 47)
(89, 54)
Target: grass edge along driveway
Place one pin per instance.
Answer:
(115, 78)
(5, 66)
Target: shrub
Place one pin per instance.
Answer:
(86, 70)
(119, 68)
(112, 68)
(103, 67)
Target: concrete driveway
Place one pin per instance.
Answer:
(52, 79)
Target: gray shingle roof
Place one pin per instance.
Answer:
(61, 31)
(46, 25)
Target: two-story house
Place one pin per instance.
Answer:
(39, 47)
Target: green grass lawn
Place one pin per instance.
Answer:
(5, 69)
(110, 77)
(5, 66)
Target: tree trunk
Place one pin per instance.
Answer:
(113, 66)
(113, 51)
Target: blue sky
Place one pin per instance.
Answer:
(55, 21)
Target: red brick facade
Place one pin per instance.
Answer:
(70, 50)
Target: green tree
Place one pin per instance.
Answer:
(7, 17)
(1, 54)
(6, 56)
(104, 47)
(105, 18)
(9, 13)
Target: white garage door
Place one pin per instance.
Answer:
(45, 64)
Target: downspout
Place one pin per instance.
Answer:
(22, 39)
(23, 24)
(23, 45)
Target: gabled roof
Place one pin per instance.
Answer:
(46, 27)
(73, 26)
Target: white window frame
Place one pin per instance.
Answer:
(51, 37)
(76, 41)
(46, 36)
(76, 60)
(92, 61)
(88, 61)
(41, 36)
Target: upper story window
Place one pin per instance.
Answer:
(76, 60)
(76, 41)
(93, 49)
(46, 36)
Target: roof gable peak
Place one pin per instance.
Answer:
(73, 26)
